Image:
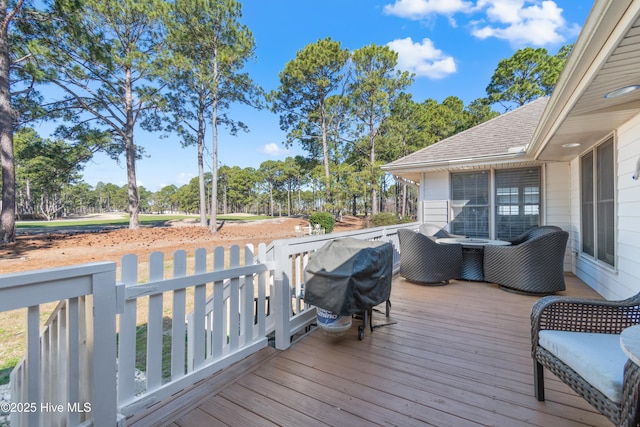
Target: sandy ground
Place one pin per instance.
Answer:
(54, 249)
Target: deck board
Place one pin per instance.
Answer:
(458, 355)
(226, 412)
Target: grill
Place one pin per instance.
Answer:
(350, 277)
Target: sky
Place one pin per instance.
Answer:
(452, 47)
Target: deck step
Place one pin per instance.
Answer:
(186, 400)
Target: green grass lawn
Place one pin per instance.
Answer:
(144, 219)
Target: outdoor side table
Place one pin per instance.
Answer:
(630, 343)
(472, 255)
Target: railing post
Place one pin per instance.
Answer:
(33, 364)
(104, 409)
(282, 300)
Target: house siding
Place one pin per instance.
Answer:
(437, 187)
(574, 228)
(628, 205)
(557, 206)
(435, 198)
(622, 281)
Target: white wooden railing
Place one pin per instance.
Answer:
(70, 365)
(197, 323)
(225, 324)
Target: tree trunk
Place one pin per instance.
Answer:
(224, 200)
(325, 157)
(270, 199)
(28, 203)
(404, 200)
(299, 211)
(7, 160)
(130, 153)
(201, 186)
(372, 160)
(214, 130)
(214, 172)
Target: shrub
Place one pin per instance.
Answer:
(386, 218)
(325, 219)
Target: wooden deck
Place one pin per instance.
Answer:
(459, 355)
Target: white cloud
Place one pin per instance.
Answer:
(502, 10)
(520, 22)
(523, 23)
(420, 9)
(422, 58)
(273, 149)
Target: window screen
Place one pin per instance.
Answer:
(517, 201)
(597, 179)
(470, 203)
(586, 178)
(605, 211)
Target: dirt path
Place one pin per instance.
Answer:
(46, 250)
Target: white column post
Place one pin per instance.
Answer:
(104, 407)
(282, 300)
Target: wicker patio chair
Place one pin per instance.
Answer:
(423, 260)
(534, 232)
(436, 231)
(559, 322)
(534, 266)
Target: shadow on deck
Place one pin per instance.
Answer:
(459, 355)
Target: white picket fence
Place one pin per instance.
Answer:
(226, 323)
(80, 366)
(72, 362)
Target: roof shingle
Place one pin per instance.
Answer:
(511, 130)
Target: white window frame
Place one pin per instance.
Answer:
(611, 225)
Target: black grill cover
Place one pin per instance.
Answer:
(348, 275)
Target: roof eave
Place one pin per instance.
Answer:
(475, 161)
(590, 52)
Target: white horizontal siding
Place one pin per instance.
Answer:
(436, 212)
(435, 197)
(628, 213)
(557, 185)
(574, 229)
(623, 280)
(435, 185)
(557, 207)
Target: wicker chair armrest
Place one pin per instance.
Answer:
(499, 251)
(513, 254)
(583, 315)
(517, 240)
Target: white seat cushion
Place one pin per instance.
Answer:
(598, 358)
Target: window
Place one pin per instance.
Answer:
(587, 208)
(597, 179)
(517, 201)
(470, 203)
